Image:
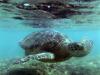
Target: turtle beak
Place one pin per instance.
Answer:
(87, 44)
(87, 47)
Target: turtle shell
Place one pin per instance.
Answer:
(44, 40)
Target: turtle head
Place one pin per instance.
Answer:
(80, 49)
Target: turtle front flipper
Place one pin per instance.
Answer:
(52, 58)
(44, 57)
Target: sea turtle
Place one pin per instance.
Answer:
(52, 46)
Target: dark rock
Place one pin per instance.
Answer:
(19, 18)
(51, 9)
(26, 71)
(4, 1)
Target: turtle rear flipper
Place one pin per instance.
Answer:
(21, 60)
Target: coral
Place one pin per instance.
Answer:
(71, 67)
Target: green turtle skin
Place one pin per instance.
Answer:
(52, 41)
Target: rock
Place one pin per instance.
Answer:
(4, 1)
(26, 71)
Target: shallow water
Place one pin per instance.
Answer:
(10, 38)
(77, 27)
